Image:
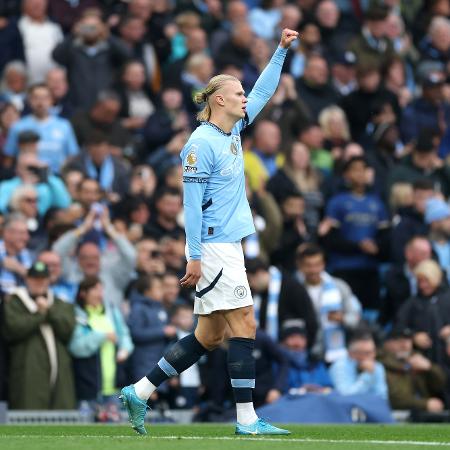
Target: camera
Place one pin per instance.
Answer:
(40, 172)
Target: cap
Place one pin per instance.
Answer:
(436, 209)
(346, 58)
(292, 326)
(38, 270)
(433, 79)
(398, 333)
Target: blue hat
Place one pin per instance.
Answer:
(436, 209)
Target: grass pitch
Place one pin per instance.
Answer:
(215, 437)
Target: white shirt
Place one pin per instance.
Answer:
(39, 40)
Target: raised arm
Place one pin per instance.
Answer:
(267, 82)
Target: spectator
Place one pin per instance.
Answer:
(343, 74)
(335, 129)
(294, 231)
(313, 87)
(165, 220)
(410, 222)
(113, 263)
(277, 297)
(39, 36)
(99, 344)
(356, 229)
(58, 85)
(383, 157)
(149, 258)
(103, 117)
(29, 170)
(395, 80)
(311, 135)
(167, 121)
(9, 115)
(67, 13)
(260, 56)
(337, 309)
(414, 382)
(171, 290)
(98, 163)
(60, 287)
(435, 45)
(137, 104)
(422, 162)
(149, 324)
(268, 220)
(333, 38)
(427, 313)
(10, 38)
(132, 30)
(14, 255)
(372, 46)
(38, 327)
(24, 201)
(297, 173)
(237, 48)
(305, 371)
(360, 104)
(428, 111)
(437, 216)
(57, 140)
(400, 281)
(14, 84)
(198, 70)
(263, 19)
(90, 49)
(263, 160)
(359, 372)
(286, 108)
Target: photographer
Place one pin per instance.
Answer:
(113, 261)
(90, 49)
(50, 189)
(38, 327)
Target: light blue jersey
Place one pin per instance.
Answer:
(215, 202)
(56, 144)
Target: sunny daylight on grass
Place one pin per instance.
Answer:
(219, 436)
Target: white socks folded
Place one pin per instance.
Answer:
(144, 388)
(245, 413)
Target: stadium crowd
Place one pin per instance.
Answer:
(348, 178)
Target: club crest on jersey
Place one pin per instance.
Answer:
(234, 148)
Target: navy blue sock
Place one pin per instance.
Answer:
(241, 367)
(182, 355)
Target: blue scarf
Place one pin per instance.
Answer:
(272, 303)
(106, 175)
(333, 333)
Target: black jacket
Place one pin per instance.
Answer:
(293, 303)
(430, 315)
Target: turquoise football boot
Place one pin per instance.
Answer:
(136, 408)
(259, 427)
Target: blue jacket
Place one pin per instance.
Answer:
(147, 320)
(85, 345)
(52, 194)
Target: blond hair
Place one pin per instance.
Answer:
(215, 83)
(330, 113)
(430, 270)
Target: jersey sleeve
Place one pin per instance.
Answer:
(265, 86)
(197, 160)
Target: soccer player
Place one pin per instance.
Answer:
(217, 217)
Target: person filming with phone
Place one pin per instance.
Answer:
(51, 191)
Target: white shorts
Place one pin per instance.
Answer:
(223, 284)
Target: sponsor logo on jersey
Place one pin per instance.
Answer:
(190, 169)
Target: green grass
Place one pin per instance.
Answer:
(214, 437)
